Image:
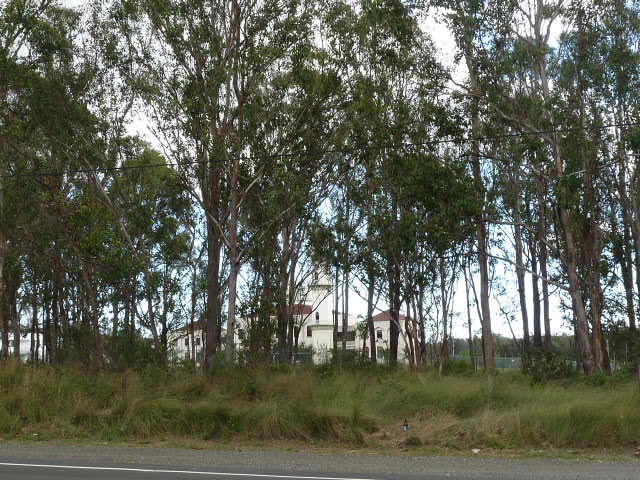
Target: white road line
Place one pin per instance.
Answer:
(190, 472)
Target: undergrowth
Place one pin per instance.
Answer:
(352, 406)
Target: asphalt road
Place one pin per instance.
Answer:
(41, 461)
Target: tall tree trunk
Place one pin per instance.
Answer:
(46, 327)
(626, 207)
(565, 217)
(520, 262)
(595, 293)
(393, 275)
(627, 275)
(470, 339)
(580, 314)
(370, 325)
(55, 323)
(345, 310)
(423, 334)
(192, 314)
(15, 318)
(213, 297)
(444, 345)
(410, 334)
(537, 328)
(481, 229)
(4, 320)
(336, 307)
(234, 261)
(394, 328)
(370, 271)
(622, 255)
(542, 239)
(283, 310)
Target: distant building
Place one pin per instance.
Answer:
(187, 343)
(382, 326)
(316, 326)
(314, 315)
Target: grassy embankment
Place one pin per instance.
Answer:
(318, 406)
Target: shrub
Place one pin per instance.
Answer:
(459, 367)
(542, 365)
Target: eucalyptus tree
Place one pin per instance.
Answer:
(472, 24)
(394, 91)
(516, 76)
(202, 67)
(153, 205)
(617, 28)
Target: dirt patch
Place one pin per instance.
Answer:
(423, 429)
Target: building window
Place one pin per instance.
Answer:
(317, 317)
(197, 341)
(379, 334)
(309, 332)
(186, 342)
(380, 352)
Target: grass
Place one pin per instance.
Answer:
(321, 406)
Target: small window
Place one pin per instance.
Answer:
(309, 332)
(379, 334)
(317, 317)
(380, 352)
(197, 341)
(186, 342)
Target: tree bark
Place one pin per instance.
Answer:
(481, 230)
(444, 345)
(470, 339)
(345, 310)
(580, 314)
(336, 307)
(370, 325)
(520, 262)
(537, 328)
(213, 272)
(542, 238)
(234, 261)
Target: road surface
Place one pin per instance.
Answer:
(41, 461)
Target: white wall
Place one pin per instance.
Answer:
(178, 348)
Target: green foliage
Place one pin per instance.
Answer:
(459, 367)
(543, 365)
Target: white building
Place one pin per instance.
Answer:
(314, 315)
(382, 326)
(187, 343)
(316, 320)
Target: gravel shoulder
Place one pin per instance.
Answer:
(374, 466)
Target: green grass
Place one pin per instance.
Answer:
(356, 407)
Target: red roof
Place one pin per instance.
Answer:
(386, 317)
(300, 309)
